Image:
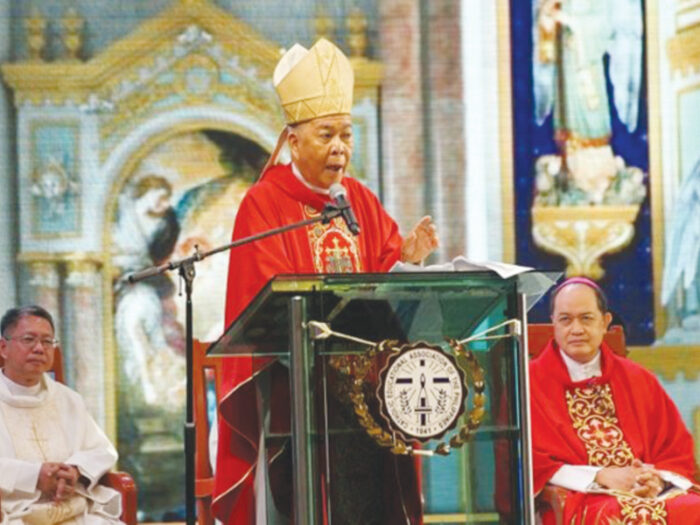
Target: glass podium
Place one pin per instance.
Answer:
(348, 352)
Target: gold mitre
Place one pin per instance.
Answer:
(314, 83)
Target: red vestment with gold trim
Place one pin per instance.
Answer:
(608, 421)
(279, 199)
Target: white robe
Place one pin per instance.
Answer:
(50, 423)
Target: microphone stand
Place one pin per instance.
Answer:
(185, 268)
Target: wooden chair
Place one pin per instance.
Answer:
(119, 481)
(206, 373)
(124, 484)
(538, 335)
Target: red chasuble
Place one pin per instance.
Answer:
(280, 199)
(608, 421)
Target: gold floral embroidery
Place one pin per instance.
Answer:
(333, 247)
(638, 511)
(592, 412)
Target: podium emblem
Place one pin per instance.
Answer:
(421, 392)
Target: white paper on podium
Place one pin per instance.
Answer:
(462, 264)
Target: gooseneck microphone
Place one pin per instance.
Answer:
(340, 198)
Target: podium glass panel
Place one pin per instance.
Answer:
(329, 452)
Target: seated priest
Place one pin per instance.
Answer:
(603, 428)
(52, 453)
(315, 88)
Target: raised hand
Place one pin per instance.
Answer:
(420, 242)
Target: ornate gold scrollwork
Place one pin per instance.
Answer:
(583, 234)
(36, 37)
(73, 25)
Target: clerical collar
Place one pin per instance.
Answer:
(582, 371)
(301, 178)
(20, 390)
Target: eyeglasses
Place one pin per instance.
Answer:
(30, 341)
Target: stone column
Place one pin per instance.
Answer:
(8, 223)
(42, 287)
(84, 334)
(401, 110)
(487, 121)
(443, 97)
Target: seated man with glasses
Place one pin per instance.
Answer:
(52, 453)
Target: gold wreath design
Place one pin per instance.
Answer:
(357, 367)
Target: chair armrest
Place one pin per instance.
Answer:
(124, 484)
(203, 487)
(552, 498)
(204, 492)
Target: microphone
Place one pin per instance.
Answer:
(339, 196)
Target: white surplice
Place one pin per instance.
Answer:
(50, 423)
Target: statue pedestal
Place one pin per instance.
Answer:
(583, 234)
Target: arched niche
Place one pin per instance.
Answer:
(179, 189)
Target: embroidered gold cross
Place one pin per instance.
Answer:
(338, 259)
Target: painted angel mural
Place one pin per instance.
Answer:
(581, 146)
(184, 192)
(148, 338)
(571, 40)
(680, 291)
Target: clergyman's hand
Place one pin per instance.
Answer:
(67, 476)
(420, 242)
(618, 478)
(637, 479)
(47, 481)
(648, 484)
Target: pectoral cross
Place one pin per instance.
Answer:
(338, 259)
(36, 438)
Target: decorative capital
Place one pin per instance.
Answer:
(82, 274)
(87, 266)
(43, 274)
